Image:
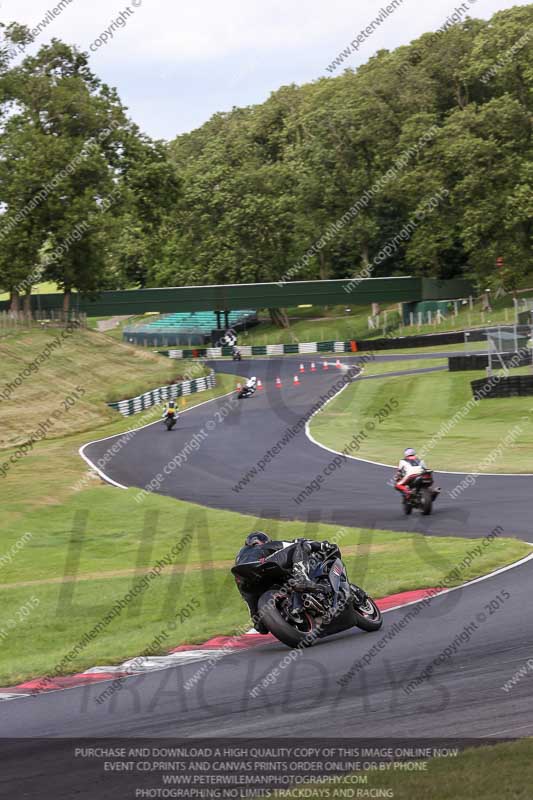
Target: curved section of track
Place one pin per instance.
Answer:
(235, 466)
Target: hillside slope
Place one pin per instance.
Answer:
(62, 380)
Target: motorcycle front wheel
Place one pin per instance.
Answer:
(407, 507)
(287, 632)
(368, 615)
(427, 502)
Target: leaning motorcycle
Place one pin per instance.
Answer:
(247, 391)
(298, 617)
(423, 494)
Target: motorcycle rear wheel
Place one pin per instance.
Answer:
(283, 630)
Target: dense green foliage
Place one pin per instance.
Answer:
(419, 162)
(263, 184)
(82, 189)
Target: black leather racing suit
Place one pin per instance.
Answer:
(285, 554)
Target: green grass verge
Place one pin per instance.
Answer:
(503, 771)
(425, 402)
(382, 367)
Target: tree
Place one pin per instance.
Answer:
(64, 148)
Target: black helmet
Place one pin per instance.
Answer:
(256, 539)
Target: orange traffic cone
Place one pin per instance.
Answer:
(296, 380)
(338, 364)
(259, 386)
(239, 387)
(278, 383)
(302, 368)
(313, 366)
(325, 365)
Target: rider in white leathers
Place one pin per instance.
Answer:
(410, 466)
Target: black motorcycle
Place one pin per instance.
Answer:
(237, 355)
(423, 494)
(299, 613)
(170, 420)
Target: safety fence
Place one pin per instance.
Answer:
(164, 393)
(55, 318)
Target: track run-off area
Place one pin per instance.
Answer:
(256, 456)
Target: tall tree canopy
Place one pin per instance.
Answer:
(448, 116)
(418, 162)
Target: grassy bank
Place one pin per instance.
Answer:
(87, 367)
(424, 403)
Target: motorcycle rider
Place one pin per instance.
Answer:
(410, 466)
(170, 410)
(251, 385)
(293, 556)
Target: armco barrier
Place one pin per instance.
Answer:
(163, 393)
(350, 346)
(512, 386)
(266, 350)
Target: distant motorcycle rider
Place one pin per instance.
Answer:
(293, 556)
(170, 410)
(409, 467)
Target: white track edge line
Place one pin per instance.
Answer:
(391, 466)
(102, 474)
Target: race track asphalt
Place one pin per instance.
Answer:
(463, 697)
(355, 494)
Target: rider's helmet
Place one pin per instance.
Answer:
(256, 539)
(410, 453)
